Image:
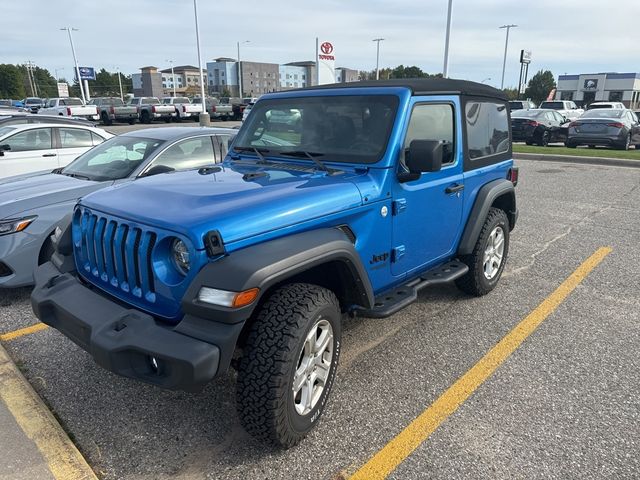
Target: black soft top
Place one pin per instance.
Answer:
(425, 86)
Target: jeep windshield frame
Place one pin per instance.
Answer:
(339, 128)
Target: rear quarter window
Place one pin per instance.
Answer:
(487, 126)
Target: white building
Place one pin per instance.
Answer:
(600, 87)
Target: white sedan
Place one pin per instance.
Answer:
(41, 146)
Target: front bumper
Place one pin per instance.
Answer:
(19, 254)
(127, 341)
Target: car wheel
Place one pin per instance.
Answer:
(626, 144)
(177, 118)
(289, 363)
(592, 146)
(105, 119)
(570, 145)
(486, 261)
(529, 142)
(544, 139)
(45, 252)
(132, 121)
(145, 117)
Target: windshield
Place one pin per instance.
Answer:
(552, 105)
(525, 114)
(113, 159)
(6, 130)
(181, 100)
(602, 113)
(600, 105)
(71, 101)
(33, 101)
(516, 105)
(150, 101)
(351, 129)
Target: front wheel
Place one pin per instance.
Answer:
(289, 363)
(486, 261)
(544, 139)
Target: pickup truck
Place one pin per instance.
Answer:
(566, 108)
(215, 109)
(150, 108)
(112, 109)
(237, 107)
(69, 107)
(386, 188)
(183, 107)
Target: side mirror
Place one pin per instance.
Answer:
(422, 156)
(158, 169)
(4, 148)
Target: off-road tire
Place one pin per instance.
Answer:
(145, 117)
(106, 121)
(474, 281)
(264, 394)
(132, 121)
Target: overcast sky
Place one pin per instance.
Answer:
(566, 36)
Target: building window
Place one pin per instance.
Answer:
(615, 96)
(566, 95)
(304, 77)
(222, 74)
(295, 77)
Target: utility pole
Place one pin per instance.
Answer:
(173, 77)
(445, 68)
(120, 83)
(31, 83)
(240, 69)
(75, 60)
(506, 46)
(378, 40)
(204, 116)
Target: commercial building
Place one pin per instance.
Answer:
(297, 75)
(600, 87)
(185, 77)
(147, 83)
(346, 75)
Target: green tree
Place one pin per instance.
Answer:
(512, 93)
(11, 85)
(540, 85)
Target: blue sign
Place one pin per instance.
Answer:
(87, 73)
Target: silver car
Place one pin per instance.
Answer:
(611, 127)
(32, 206)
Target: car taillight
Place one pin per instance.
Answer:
(184, 108)
(213, 109)
(533, 123)
(615, 125)
(112, 110)
(68, 111)
(575, 124)
(512, 175)
(153, 108)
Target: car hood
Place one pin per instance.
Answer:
(26, 192)
(238, 201)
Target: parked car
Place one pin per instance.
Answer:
(36, 204)
(539, 126)
(44, 146)
(69, 107)
(22, 118)
(388, 190)
(4, 102)
(150, 108)
(34, 104)
(612, 127)
(215, 109)
(236, 106)
(521, 105)
(594, 105)
(246, 111)
(566, 108)
(113, 109)
(184, 108)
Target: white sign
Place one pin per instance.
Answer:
(326, 63)
(63, 90)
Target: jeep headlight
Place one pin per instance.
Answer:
(15, 225)
(180, 256)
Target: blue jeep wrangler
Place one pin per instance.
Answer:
(334, 200)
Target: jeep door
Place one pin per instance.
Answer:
(427, 211)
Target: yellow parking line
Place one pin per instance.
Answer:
(5, 337)
(399, 448)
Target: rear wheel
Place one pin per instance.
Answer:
(105, 119)
(544, 139)
(289, 363)
(132, 121)
(570, 145)
(529, 142)
(592, 146)
(626, 144)
(145, 117)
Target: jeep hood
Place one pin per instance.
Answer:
(238, 201)
(27, 192)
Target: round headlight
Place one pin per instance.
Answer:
(180, 255)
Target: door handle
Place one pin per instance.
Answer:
(49, 155)
(454, 188)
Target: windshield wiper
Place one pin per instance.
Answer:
(258, 151)
(312, 156)
(76, 175)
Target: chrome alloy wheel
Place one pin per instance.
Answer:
(493, 253)
(313, 367)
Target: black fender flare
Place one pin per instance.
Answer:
(269, 263)
(486, 197)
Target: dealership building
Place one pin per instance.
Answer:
(600, 87)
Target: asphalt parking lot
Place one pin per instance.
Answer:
(565, 404)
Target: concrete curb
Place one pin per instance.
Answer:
(612, 162)
(38, 425)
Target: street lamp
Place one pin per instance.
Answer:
(204, 116)
(486, 80)
(506, 45)
(445, 68)
(378, 40)
(120, 83)
(173, 77)
(75, 60)
(240, 68)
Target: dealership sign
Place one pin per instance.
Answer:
(590, 84)
(87, 73)
(525, 56)
(325, 63)
(63, 90)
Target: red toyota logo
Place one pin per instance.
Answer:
(326, 48)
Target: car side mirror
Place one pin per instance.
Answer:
(422, 156)
(156, 170)
(3, 148)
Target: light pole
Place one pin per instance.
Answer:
(445, 68)
(486, 79)
(75, 60)
(204, 116)
(240, 69)
(120, 83)
(173, 77)
(378, 40)
(506, 46)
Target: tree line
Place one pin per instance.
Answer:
(16, 84)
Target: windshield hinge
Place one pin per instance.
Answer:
(398, 206)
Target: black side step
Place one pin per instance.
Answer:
(391, 301)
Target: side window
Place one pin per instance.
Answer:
(432, 122)
(75, 138)
(222, 145)
(191, 153)
(487, 129)
(35, 139)
(96, 139)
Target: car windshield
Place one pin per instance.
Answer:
(33, 101)
(71, 101)
(516, 105)
(181, 100)
(603, 113)
(552, 105)
(113, 159)
(525, 114)
(352, 129)
(5, 130)
(150, 101)
(600, 105)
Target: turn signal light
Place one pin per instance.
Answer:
(225, 298)
(243, 299)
